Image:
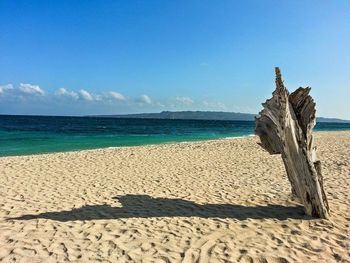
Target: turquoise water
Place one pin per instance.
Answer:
(22, 135)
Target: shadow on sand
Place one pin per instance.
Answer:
(144, 206)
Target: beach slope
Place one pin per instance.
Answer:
(213, 201)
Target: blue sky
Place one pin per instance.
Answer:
(105, 57)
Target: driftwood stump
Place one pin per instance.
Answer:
(285, 127)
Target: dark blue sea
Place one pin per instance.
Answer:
(22, 135)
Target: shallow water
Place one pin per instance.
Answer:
(21, 135)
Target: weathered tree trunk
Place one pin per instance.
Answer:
(285, 127)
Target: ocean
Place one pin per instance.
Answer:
(24, 135)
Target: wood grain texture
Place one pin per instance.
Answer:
(285, 127)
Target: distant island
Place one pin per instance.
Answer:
(202, 115)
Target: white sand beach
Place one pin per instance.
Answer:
(212, 201)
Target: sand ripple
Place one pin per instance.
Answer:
(217, 201)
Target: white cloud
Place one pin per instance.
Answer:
(85, 95)
(117, 96)
(4, 88)
(101, 99)
(31, 89)
(214, 105)
(66, 93)
(146, 99)
(160, 105)
(184, 100)
(97, 97)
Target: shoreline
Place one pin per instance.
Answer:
(207, 201)
(155, 144)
